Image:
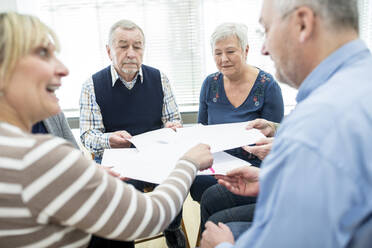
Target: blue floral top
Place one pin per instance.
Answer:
(264, 101)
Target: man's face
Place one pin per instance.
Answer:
(279, 43)
(126, 51)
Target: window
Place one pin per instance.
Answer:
(177, 38)
(365, 21)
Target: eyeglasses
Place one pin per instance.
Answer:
(261, 33)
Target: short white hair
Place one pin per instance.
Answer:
(124, 24)
(337, 14)
(226, 30)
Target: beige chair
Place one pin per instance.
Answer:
(198, 238)
(160, 235)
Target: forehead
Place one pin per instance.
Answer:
(228, 42)
(128, 35)
(267, 11)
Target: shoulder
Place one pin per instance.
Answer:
(267, 83)
(60, 117)
(102, 71)
(150, 69)
(87, 85)
(102, 75)
(266, 78)
(29, 147)
(214, 77)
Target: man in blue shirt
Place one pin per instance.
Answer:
(315, 185)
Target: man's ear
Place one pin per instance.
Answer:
(108, 49)
(305, 21)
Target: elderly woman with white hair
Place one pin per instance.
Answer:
(238, 92)
(50, 194)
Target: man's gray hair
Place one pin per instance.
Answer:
(124, 24)
(226, 30)
(336, 13)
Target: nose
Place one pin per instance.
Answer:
(130, 52)
(264, 50)
(224, 57)
(61, 69)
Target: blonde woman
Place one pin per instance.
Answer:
(50, 195)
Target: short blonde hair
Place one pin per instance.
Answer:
(19, 36)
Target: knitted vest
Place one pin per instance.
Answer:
(137, 110)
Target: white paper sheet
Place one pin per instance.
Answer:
(148, 140)
(158, 151)
(130, 163)
(220, 137)
(223, 163)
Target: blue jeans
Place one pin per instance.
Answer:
(238, 228)
(201, 184)
(220, 205)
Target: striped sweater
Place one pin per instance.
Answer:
(51, 196)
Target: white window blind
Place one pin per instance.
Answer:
(365, 21)
(177, 38)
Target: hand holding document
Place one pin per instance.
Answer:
(129, 162)
(157, 151)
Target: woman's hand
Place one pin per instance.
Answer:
(200, 155)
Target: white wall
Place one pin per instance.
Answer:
(6, 5)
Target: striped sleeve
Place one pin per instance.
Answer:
(60, 185)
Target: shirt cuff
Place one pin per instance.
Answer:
(106, 141)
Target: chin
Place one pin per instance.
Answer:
(130, 71)
(53, 111)
(227, 72)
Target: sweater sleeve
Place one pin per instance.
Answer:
(64, 188)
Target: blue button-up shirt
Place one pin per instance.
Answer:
(316, 184)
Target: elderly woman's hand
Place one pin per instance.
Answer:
(261, 149)
(268, 128)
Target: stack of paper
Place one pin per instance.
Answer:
(157, 151)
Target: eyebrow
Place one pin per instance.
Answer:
(230, 47)
(125, 42)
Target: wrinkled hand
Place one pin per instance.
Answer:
(261, 149)
(266, 127)
(215, 235)
(201, 155)
(173, 125)
(119, 139)
(241, 181)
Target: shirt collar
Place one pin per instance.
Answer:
(328, 67)
(115, 76)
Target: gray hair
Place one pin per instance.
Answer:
(124, 24)
(226, 30)
(336, 13)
